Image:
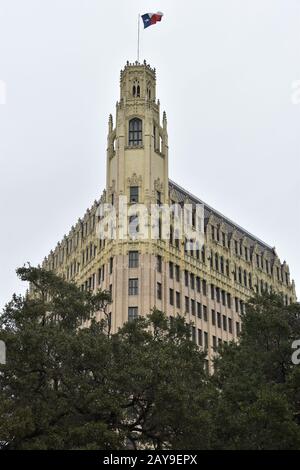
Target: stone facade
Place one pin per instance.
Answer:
(207, 286)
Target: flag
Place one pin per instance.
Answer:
(151, 18)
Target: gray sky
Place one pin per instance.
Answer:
(225, 72)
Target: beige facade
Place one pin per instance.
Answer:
(208, 286)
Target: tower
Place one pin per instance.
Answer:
(137, 149)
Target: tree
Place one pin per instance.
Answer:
(256, 405)
(70, 384)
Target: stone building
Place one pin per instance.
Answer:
(209, 285)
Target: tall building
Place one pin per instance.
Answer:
(209, 284)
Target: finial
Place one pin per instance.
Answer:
(110, 123)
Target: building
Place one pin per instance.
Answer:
(209, 286)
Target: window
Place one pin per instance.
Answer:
(198, 284)
(187, 304)
(205, 339)
(135, 132)
(134, 194)
(133, 259)
(218, 294)
(186, 278)
(111, 262)
(237, 327)
(133, 287)
(224, 323)
(219, 319)
(213, 317)
(230, 325)
(171, 270)
(229, 300)
(159, 263)
(204, 287)
(214, 343)
(224, 298)
(200, 339)
(158, 290)
(171, 296)
(193, 334)
(178, 299)
(212, 292)
(132, 313)
(204, 309)
(158, 198)
(199, 310)
(193, 309)
(177, 273)
(192, 281)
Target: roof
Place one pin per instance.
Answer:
(182, 194)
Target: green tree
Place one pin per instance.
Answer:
(256, 406)
(69, 384)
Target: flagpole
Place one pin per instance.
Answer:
(138, 42)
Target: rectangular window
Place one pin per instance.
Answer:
(192, 281)
(213, 317)
(214, 340)
(198, 284)
(171, 296)
(158, 290)
(230, 325)
(200, 339)
(212, 292)
(111, 262)
(134, 194)
(224, 323)
(133, 259)
(229, 300)
(171, 270)
(159, 263)
(193, 334)
(132, 313)
(178, 299)
(204, 310)
(133, 287)
(205, 340)
(186, 278)
(199, 310)
(218, 294)
(219, 319)
(187, 304)
(238, 329)
(204, 287)
(193, 307)
(177, 273)
(224, 298)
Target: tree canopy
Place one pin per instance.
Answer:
(70, 384)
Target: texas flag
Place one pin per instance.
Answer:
(151, 18)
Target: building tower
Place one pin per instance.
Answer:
(209, 287)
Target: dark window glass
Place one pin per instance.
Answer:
(135, 132)
(133, 287)
(133, 259)
(134, 194)
(132, 313)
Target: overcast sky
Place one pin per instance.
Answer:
(225, 70)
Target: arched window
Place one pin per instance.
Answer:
(138, 91)
(135, 132)
(134, 90)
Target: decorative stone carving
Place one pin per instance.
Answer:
(134, 180)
